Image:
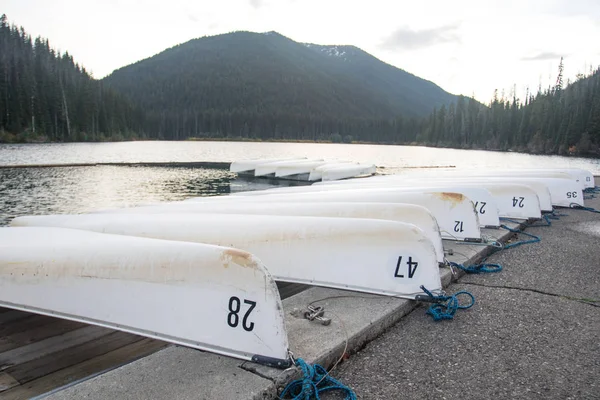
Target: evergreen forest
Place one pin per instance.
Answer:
(249, 86)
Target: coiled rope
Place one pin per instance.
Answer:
(444, 307)
(482, 268)
(314, 382)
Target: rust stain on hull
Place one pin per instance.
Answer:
(238, 257)
(452, 197)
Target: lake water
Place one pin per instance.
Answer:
(26, 191)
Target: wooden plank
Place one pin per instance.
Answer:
(73, 355)
(7, 382)
(12, 315)
(83, 370)
(51, 345)
(31, 321)
(54, 327)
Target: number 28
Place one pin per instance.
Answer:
(233, 319)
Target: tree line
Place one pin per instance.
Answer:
(556, 120)
(47, 96)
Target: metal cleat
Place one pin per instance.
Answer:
(316, 313)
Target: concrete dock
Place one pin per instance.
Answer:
(533, 333)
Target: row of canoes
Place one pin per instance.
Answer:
(301, 169)
(202, 272)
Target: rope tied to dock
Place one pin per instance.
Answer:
(547, 219)
(595, 189)
(314, 382)
(444, 306)
(483, 268)
(534, 238)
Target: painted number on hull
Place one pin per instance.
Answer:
(571, 195)
(587, 179)
(518, 201)
(233, 319)
(481, 205)
(412, 267)
(458, 226)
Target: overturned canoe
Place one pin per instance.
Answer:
(508, 200)
(317, 173)
(212, 298)
(562, 191)
(347, 171)
(499, 187)
(485, 204)
(270, 168)
(531, 174)
(374, 256)
(291, 169)
(248, 166)
(454, 212)
(409, 213)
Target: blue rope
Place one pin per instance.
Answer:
(556, 214)
(595, 189)
(511, 220)
(546, 218)
(315, 381)
(534, 239)
(478, 268)
(579, 207)
(440, 310)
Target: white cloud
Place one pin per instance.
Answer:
(406, 38)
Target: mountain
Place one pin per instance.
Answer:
(245, 84)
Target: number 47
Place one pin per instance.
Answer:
(412, 267)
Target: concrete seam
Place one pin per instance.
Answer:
(562, 296)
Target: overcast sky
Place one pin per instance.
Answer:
(467, 47)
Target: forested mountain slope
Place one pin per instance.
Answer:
(246, 85)
(266, 85)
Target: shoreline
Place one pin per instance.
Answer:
(257, 140)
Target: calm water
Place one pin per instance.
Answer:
(25, 191)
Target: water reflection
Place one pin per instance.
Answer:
(381, 155)
(31, 191)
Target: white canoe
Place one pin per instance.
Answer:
(409, 213)
(374, 256)
(270, 168)
(212, 298)
(505, 173)
(296, 168)
(343, 172)
(484, 202)
(249, 165)
(583, 177)
(454, 212)
(317, 173)
(498, 187)
(509, 200)
(563, 191)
